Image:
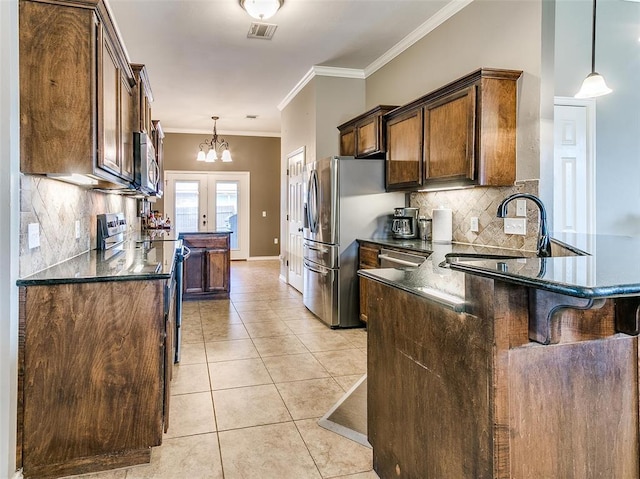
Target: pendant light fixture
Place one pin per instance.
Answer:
(594, 85)
(214, 146)
(261, 9)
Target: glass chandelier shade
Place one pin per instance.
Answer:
(214, 145)
(594, 85)
(261, 9)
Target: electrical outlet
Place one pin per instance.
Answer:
(275, 240)
(264, 214)
(77, 229)
(521, 207)
(474, 224)
(33, 233)
(515, 226)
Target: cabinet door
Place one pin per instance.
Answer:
(348, 141)
(126, 131)
(369, 256)
(108, 155)
(404, 151)
(194, 272)
(449, 137)
(217, 270)
(368, 136)
(364, 300)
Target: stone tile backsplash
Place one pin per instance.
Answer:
(482, 202)
(56, 206)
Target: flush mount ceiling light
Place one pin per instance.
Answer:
(214, 145)
(594, 85)
(261, 9)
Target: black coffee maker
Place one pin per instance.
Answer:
(404, 224)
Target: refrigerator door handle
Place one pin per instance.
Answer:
(310, 268)
(312, 202)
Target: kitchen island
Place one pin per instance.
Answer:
(506, 368)
(96, 351)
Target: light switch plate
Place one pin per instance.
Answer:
(77, 229)
(264, 214)
(515, 226)
(474, 224)
(33, 233)
(275, 240)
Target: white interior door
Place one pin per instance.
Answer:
(574, 167)
(211, 201)
(294, 214)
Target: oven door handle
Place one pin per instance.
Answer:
(398, 261)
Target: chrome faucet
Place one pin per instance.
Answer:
(544, 243)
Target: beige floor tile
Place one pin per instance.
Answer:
(279, 346)
(324, 341)
(242, 297)
(267, 329)
(230, 350)
(240, 373)
(306, 325)
(117, 474)
(182, 457)
(294, 367)
(191, 414)
(192, 333)
(334, 454)
(224, 331)
(257, 316)
(357, 336)
(362, 475)
(266, 452)
(346, 382)
(250, 406)
(252, 306)
(344, 362)
(192, 353)
(215, 305)
(221, 317)
(311, 398)
(190, 378)
(296, 313)
(286, 304)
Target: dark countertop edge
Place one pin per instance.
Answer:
(561, 288)
(200, 233)
(459, 308)
(94, 279)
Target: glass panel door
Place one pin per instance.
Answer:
(227, 209)
(187, 205)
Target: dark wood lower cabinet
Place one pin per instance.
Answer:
(469, 396)
(207, 270)
(93, 375)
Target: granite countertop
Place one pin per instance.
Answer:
(610, 269)
(131, 260)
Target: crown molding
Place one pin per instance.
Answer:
(324, 71)
(441, 16)
(193, 131)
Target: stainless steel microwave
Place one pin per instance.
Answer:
(146, 171)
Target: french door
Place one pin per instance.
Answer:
(210, 201)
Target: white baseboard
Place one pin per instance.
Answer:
(264, 258)
(283, 278)
(18, 475)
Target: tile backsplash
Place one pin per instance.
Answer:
(482, 202)
(56, 206)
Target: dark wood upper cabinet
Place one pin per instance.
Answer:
(466, 134)
(363, 136)
(76, 96)
(404, 150)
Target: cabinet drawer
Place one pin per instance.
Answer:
(208, 242)
(369, 256)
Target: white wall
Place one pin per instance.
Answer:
(617, 114)
(9, 211)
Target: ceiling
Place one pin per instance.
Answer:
(201, 63)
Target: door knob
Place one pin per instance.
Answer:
(299, 230)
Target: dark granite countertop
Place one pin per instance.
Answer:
(611, 269)
(132, 260)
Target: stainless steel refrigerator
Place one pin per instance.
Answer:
(345, 200)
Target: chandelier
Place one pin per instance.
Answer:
(214, 145)
(261, 9)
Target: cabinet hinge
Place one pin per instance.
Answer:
(287, 171)
(287, 262)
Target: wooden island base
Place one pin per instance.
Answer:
(469, 395)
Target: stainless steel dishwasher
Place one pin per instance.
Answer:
(399, 259)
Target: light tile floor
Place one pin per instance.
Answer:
(256, 374)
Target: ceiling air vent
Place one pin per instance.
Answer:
(262, 30)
